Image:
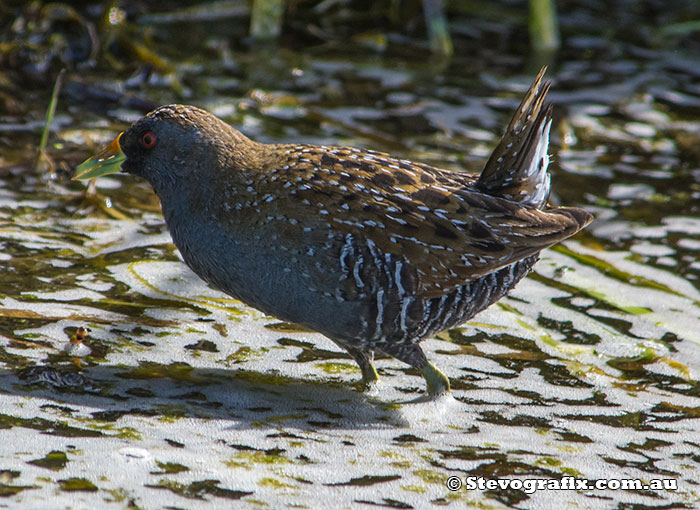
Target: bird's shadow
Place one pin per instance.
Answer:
(245, 398)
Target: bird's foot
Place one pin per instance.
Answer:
(370, 378)
(437, 383)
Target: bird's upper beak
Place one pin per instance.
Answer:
(108, 161)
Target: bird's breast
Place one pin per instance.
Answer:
(277, 266)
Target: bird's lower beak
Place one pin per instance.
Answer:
(108, 161)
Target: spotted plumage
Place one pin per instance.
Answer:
(374, 251)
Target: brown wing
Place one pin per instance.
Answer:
(445, 231)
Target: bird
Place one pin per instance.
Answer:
(375, 252)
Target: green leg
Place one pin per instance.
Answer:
(438, 384)
(365, 359)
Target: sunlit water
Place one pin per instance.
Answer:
(589, 368)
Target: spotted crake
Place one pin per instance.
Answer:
(375, 252)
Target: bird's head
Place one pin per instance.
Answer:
(168, 147)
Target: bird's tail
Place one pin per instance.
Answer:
(517, 168)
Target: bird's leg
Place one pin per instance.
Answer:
(437, 382)
(365, 360)
(410, 353)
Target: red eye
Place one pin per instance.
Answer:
(148, 140)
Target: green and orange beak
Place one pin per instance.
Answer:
(108, 161)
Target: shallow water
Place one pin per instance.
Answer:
(589, 368)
